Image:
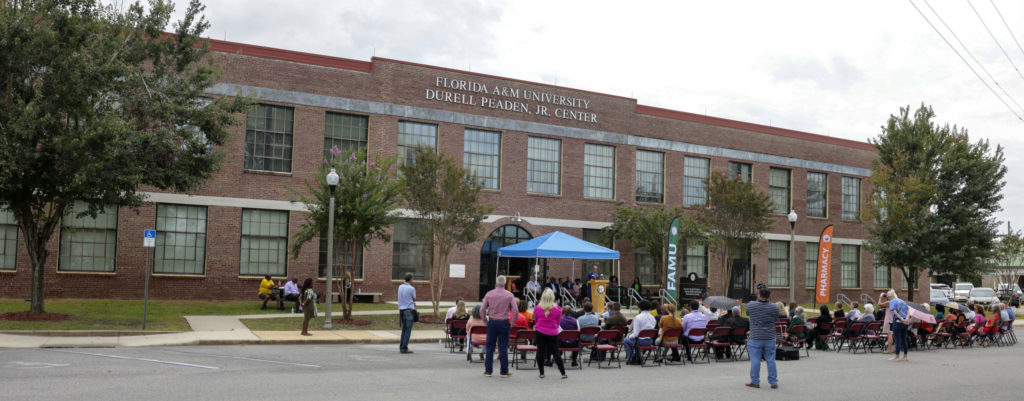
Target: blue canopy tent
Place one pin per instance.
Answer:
(558, 245)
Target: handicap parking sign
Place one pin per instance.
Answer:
(149, 239)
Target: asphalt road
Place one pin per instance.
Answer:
(379, 372)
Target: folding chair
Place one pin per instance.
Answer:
(712, 324)
(569, 341)
(738, 336)
(664, 348)
(523, 345)
(822, 332)
(448, 332)
(609, 343)
(699, 345)
(856, 336)
(720, 338)
(474, 342)
(873, 336)
(838, 326)
(589, 331)
(800, 342)
(646, 350)
(457, 333)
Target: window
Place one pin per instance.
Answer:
(778, 188)
(903, 278)
(8, 240)
(544, 166)
(346, 131)
(604, 266)
(851, 198)
(739, 170)
(88, 244)
(268, 138)
(817, 194)
(598, 171)
(695, 175)
(778, 262)
(409, 253)
(811, 264)
(264, 242)
(883, 276)
(645, 268)
(697, 260)
(650, 176)
(481, 156)
(413, 134)
(851, 266)
(345, 260)
(180, 239)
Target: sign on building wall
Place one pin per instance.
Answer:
(457, 271)
(512, 99)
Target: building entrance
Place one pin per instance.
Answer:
(489, 267)
(740, 282)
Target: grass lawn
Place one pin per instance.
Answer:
(116, 314)
(377, 322)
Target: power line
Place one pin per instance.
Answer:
(995, 40)
(1007, 26)
(965, 61)
(969, 53)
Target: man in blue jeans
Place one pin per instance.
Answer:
(497, 309)
(761, 341)
(406, 306)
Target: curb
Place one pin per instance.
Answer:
(87, 333)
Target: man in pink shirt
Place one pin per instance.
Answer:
(496, 309)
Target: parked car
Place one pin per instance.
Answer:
(944, 288)
(962, 291)
(938, 297)
(983, 296)
(1009, 294)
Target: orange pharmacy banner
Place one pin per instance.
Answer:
(821, 292)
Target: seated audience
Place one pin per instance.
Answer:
(824, 317)
(475, 320)
(291, 293)
(839, 310)
(854, 313)
(642, 321)
(569, 323)
(669, 321)
(693, 320)
(266, 293)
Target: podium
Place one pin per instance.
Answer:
(508, 282)
(597, 294)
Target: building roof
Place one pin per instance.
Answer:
(368, 67)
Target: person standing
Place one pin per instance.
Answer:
(593, 275)
(761, 342)
(900, 324)
(406, 311)
(308, 304)
(496, 308)
(548, 317)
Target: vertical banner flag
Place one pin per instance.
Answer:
(823, 278)
(673, 254)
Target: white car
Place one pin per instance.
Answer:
(962, 291)
(945, 290)
(983, 296)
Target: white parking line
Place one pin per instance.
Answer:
(245, 358)
(189, 365)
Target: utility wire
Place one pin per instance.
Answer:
(1007, 26)
(968, 51)
(965, 61)
(995, 40)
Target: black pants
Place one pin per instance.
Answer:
(686, 341)
(548, 346)
(293, 298)
(727, 351)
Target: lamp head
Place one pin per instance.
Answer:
(332, 178)
(792, 216)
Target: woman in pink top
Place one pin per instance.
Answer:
(545, 321)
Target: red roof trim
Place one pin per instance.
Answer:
(434, 67)
(722, 122)
(289, 55)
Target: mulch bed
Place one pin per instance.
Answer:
(352, 322)
(28, 317)
(431, 319)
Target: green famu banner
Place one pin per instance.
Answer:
(673, 255)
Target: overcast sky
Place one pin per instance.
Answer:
(831, 68)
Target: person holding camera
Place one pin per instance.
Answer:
(761, 342)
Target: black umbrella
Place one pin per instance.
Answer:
(918, 306)
(720, 302)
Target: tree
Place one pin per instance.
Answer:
(736, 214)
(447, 198)
(647, 228)
(96, 102)
(364, 204)
(934, 196)
(1008, 252)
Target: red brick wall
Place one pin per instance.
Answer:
(405, 83)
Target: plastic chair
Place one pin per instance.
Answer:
(523, 345)
(609, 343)
(569, 341)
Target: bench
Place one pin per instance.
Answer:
(362, 297)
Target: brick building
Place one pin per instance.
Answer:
(551, 158)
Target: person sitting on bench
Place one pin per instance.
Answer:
(267, 288)
(291, 293)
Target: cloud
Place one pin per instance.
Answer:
(835, 73)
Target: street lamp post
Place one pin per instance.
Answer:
(792, 264)
(332, 182)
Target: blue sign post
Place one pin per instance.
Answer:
(148, 242)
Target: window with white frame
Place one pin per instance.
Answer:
(811, 264)
(8, 240)
(850, 258)
(544, 166)
(481, 156)
(264, 242)
(778, 189)
(644, 267)
(740, 170)
(598, 171)
(409, 252)
(883, 276)
(851, 198)
(346, 131)
(344, 261)
(412, 134)
(695, 175)
(697, 260)
(650, 176)
(88, 244)
(180, 239)
(817, 194)
(778, 263)
(268, 138)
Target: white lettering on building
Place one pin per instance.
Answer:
(512, 99)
